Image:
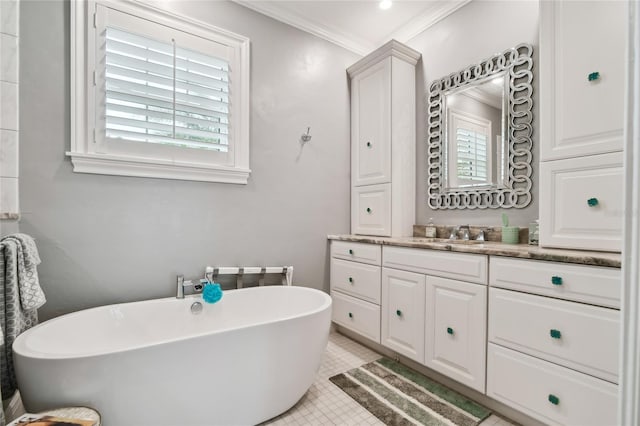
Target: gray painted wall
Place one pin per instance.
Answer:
(469, 35)
(107, 239)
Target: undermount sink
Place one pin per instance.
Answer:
(446, 241)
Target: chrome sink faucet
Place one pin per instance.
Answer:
(465, 232)
(454, 233)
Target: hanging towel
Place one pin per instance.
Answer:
(20, 296)
(31, 295)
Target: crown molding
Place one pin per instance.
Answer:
(404, 33)
(361, 47)
(391, 48)
(425, 20)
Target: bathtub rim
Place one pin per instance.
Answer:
(19, 349)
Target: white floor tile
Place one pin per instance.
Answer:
(326, 404)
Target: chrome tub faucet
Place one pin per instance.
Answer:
(181, 283)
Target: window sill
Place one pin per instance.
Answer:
(105, 164)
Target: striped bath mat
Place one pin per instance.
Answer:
(398, 395)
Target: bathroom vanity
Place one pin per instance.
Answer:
(536, 329)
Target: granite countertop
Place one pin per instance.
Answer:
(523, 251)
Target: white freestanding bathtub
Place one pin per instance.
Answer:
(241, 361)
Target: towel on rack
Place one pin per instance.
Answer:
(20, 296)
(31, 295)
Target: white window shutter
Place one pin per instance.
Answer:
(165, 94)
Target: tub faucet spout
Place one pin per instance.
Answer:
(181, 283)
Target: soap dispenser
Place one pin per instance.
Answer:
(430, 229)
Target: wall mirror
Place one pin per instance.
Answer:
(480, 128)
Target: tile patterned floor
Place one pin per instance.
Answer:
(326, 404)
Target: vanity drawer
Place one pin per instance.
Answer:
(460, 266)
(357, 279)
(371, 210)
(588, 284)
(552, 394)
(356, 315)
(582, 337)
(357, 252)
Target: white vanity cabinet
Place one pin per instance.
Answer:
(355, 287)
(539, 336)
(450, 290)
(582, 75)
(555, 327)
(383, 121)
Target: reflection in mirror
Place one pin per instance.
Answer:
(474, 135)
(480, 128)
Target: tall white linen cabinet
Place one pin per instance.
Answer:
(383, 141)
(582, 77)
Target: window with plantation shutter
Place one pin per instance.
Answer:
(165, 94)
(169, 96)
(470, 148)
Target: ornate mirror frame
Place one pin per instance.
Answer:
(516, 191)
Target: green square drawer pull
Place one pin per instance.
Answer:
(554, 399)
(399, 312)
(592, 202)
(593, 76)
(350, 315)
(350, 280)
(368, 210)
(555, 333)
(555, 280)
(449, 330)
(350, 251)
(368, 144)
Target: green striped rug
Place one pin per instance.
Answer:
(398, 395)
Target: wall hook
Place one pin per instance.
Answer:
(306, 137)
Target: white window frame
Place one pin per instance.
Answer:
(86, 153)
(473, 121)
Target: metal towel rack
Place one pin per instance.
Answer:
(286, 272)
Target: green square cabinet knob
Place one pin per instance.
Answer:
(450, 330)
(554, 399)
(555, 280)
(593, 76)
(592, 202)
(555, 333)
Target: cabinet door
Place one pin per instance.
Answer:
(371, 125)
(371, 210)
(582, 74)
(581, 206)
(403, 312)
(455, 330)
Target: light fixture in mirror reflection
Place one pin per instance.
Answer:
(480, 128)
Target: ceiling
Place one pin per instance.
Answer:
(360, 26)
